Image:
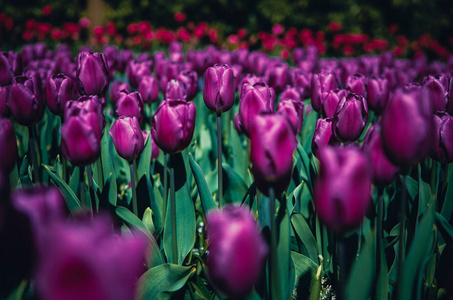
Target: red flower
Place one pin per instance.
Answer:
(334, 26)
(242, 33)
(278, 29)
(180, 16)
(183, 34)
(46, 10)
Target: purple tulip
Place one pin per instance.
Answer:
(321, 85)
(237, 71)
(90, 110)
(450, 97)
(154, 148)
(330, 102)
(407, 127)
(250, 79)
(60, 89)
(4, 101)
(384, 172)
(130, 104)
(390, 75)
(348, 67)
(435, 90)
(190, 79)
(442, 150)
(6, 72)
(218, 88)
(8, 149)
(255, 99)
(111, 53)
(356, 84)
(291, 93)
(237, 251)
(342, 191)
(323, 136)
(159, 55)
(123, 59)
(240, 57)
(15, 62)
(378, 92)
(350, 118)
(135, 70)
(149, 89)
(92, 74)
(25, 102)
(293, 111)
(118, 86)
(277, 77)
(175, 90)
(302, 81)
(272, 143)
(387, 59)
(173, 125)
(127, 137)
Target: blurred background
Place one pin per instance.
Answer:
(329, 24)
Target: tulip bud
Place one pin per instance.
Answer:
(15, 62)
(123, 59)
(118, 86)
(237, 251)
(321, 85)
(190, 79)
(149, 89)
(277, 77)
(390, 75)
(25, 102)
(176, 90)
(6, 72)
(60, 89)
(127, 137)
(323, 136)
(173, 125)
(90, 110)
(293, 111)
(135, 70)
(291, 93)
(442, 150)
(130, 104)
(255, 99)
(350, 118)
(356, 84)
(250, 79)
(218, 88)
(92, 74)
(378, 92)
(4, 99)
(407, 127)
(342, 191)
(330, 102)
(435, 90)
(302, 80)
(111, 53)
(384, 172)
(272, 143)
(8, 149)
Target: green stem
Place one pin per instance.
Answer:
(100, 173)
(219, 160)
(34, 157)
(91, 188)
(379, 229)
(165, 186)
(342, 254)
(63, 167)
(402, 234)
(173, 215)
(274, 290)
(134, 189)
(82, 187)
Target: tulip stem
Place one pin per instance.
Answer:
(402, 234)
(91, 187)
(34, 157)
(273, 267)
(63, 167)
(165, 186)
(379, 230)
(342, 257)
(134, 189)
(219, 160)
(173, 215)
(82, 187)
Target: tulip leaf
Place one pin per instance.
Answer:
(207, 202)
(315, 289)
(382, 285)
(447, 207)
(160, 281)
(144, 161)
(305, 171)
(283, 253)
(106, 158)
(234, 186)
(239, 154)
(308, 130)
(412, 187)
(155, 207)
(113, 190)
(72, 201)
(305, 234)
(445, 229)
(302, 265)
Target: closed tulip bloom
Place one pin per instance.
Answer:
(291, 93)
(4, 99)
(135, 70)
(123, 59)
(342, 191)
(130, 104)
(378, 92)
(293, 111)
(321, 85)
(250, 79)
(237, 71)
(176, 90)
(323, 136)
(450, 97)
(218, 88)
(407, 127)
(173, 125)
(442, 150)
(90, 110)
(384, 171)
(25, 101)
(255, 99)
(277, 76)
(92, 74)
(302, 80)
(350, 118)
(356, 84)
(8, 149)
(6, 72)
(435, 89)
(272, 143)
(15, 62)
(111, 53)
(330, 102)
(149, 89)
(190, 79)
(118, 86)
(127, 137)
(237, 251)
(390, 75)
(60, 89)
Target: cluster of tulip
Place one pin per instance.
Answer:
(367, 120)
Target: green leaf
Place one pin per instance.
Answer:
(113, 190)
(144, 162)
(305, 234)
(412, 187)
(315, 290)
(166, 278)
(305, 163)
(234, 186)
(207, 201)
(239, 154)
(445, 229)
(148, 220)
(447, 207)
(283, 254)
(302, 265)
(72, 201)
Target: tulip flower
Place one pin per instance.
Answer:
(123, 59)
(8, 149)
(237, 251)
(92, 74)
(4, 99)
(135, 70)
(176, 90)
(293, 111)
(331, 100)
(407, 127)
(323, 136)
(302, 80)
(250, 79)
(173, 125)
(277, 76)
(272, 143)
(442, 150)
(342, 191)
(118, 86)
(255, 99)
(25, 101)
(190, 79)
(149, 89)
(356, 84)
(384, 171)
(130, 104)
(15, 62)
(321, 85)
(90, 110)
(378, 92)
(390, 75)
(350, 118)
(435, 90)
(111, 53)
(60, 89)
(291, 93)
(218, 88)
(127, 137)
(6, 72)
